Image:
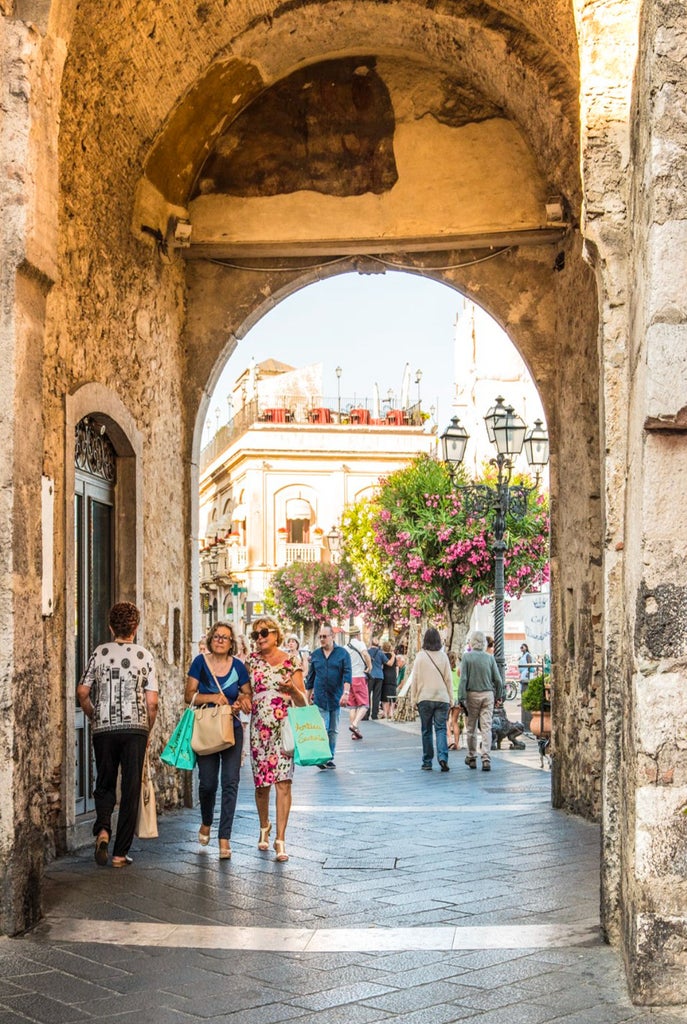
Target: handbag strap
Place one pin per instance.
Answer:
(213, 674)
(435, 664)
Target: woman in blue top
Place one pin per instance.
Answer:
(232, 676)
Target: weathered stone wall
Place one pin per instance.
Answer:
(115, 318)
(654, 877)
(26, 274)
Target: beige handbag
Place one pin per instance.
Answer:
(146, 819)
(213, 726)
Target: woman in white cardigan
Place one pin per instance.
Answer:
(431, 689)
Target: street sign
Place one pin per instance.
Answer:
(254, 609)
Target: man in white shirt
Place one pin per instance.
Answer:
(358, 698)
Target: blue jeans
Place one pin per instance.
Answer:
(433, 714)
(331, 724)
(226, 762)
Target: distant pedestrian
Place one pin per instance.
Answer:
(376, 676)
(358, 697)
(456, 712)
(118, 693)
(480, 686)
(389, 682)
(525, 666)
(328, 684)
(299, 656)
(432, 690)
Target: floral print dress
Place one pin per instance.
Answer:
(270, 705)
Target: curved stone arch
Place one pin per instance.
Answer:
(550, 316)
(508, 59)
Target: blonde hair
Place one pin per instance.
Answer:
(270, 624)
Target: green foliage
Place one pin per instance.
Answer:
(534, 694)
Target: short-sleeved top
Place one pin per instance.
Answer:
(379, 660)
(118, 675)
(354, 648)
(231, 682)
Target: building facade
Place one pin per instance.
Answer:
(274, 483)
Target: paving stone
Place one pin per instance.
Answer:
(40, 1008)
(534, 866)
(414, 998)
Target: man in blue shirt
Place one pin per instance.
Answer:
(328, 683)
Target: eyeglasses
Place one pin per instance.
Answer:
(262, 633)
(224, 637)
(323, 636)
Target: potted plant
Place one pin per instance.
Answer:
(536, 699)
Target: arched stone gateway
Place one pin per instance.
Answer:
(174, 169)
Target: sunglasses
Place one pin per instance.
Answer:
(262, 633)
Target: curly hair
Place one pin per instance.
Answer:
(211, 633)
(124, 618)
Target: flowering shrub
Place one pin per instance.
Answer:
(425, 553)
(305, 592)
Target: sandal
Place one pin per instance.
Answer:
(122, 862)
(101, 845)
(224, 849)
(280, 850)
(263, 842)
(204, 837)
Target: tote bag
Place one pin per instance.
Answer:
(213, 728)
(178, 751)
(310, 741)
(146, 820)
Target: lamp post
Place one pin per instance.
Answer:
(338, 372)
(507, 431)
(418, 378)
(334, 542)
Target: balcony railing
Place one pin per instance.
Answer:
(316, 411)
(302, 553)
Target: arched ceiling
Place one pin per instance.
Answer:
(467, 117)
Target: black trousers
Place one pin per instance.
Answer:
(374, 688)
(113, 750)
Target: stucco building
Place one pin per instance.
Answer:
(274, 482)
(172, 170)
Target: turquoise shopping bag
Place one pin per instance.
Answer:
(178, 751)
(310, 741)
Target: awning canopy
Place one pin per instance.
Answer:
(298, 508)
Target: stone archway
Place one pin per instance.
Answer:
(537, 320)
(111, 114)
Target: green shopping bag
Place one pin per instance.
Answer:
(310, 740)
(178, 751)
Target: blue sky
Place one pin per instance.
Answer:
(370, 326)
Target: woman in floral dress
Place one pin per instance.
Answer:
(277, 684)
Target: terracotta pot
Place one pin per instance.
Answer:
(540, 724)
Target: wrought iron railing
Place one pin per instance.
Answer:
(314, 411)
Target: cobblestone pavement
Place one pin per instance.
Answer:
(425, 897)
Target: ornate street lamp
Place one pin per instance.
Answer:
(507, 431)
(453, 444)
(334, 543)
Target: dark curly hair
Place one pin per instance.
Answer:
(124, 618)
